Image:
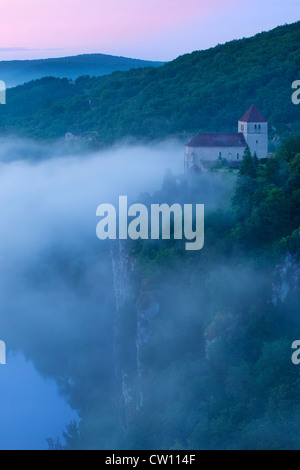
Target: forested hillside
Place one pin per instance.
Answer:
(207, 91)
(202, 341)
(17, 72)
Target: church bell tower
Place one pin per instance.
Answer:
(255, 130)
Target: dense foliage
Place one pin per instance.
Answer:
(207, 90)
(217, 370)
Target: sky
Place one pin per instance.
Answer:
(144, 29)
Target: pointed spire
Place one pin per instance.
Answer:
(253, 115)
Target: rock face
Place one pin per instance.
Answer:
(285, 283)
(144, 330)
(121, 266)
(140, 315)
(288, 279)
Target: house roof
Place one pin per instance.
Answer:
(253, 115)
(218, 140)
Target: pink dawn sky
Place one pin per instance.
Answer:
(146, 29)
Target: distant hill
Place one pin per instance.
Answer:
(205, 91)
(17, 72)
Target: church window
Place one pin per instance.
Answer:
(238, 156)
(243, 127)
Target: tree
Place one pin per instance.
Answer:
(290, 148)
(249, 165)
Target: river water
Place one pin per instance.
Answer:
(31, 409)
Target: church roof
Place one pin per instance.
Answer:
(253, 115)
(218, 140)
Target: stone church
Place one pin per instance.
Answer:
(205, 149)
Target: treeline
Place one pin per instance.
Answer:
(203, 91)
(217, 370)
(17, 72)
